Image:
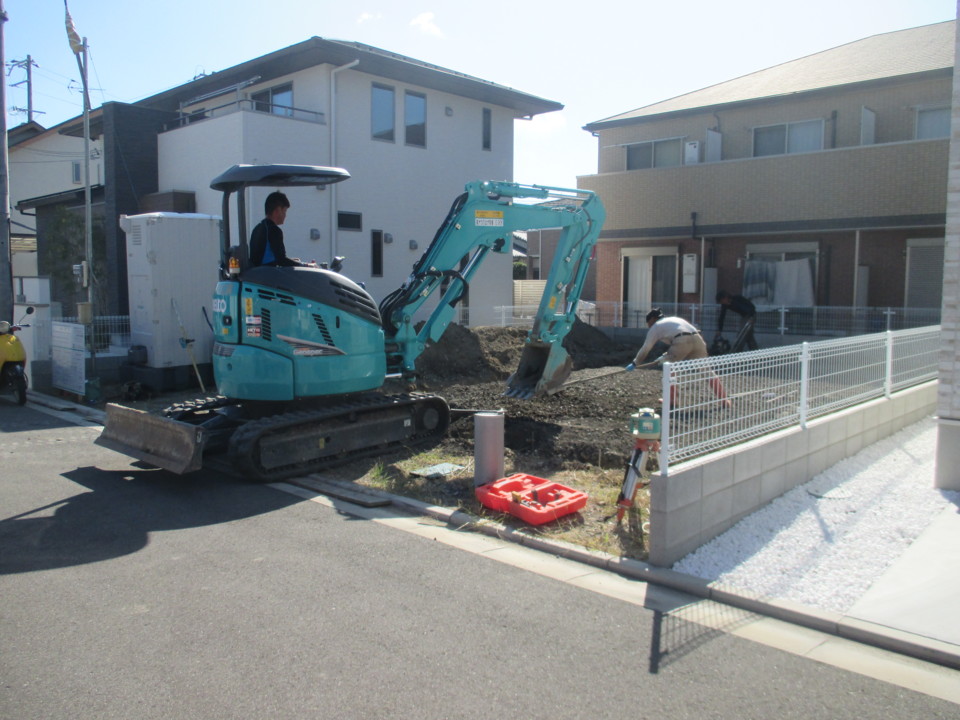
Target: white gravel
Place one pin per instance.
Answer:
(823, 544)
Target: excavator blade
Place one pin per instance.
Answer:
(543, 369)
(168, 444)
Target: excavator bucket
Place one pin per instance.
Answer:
(543, 369)
(166, 443)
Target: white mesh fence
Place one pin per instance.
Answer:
(718, 402)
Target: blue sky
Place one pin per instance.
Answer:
(598, 58)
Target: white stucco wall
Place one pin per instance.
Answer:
(401, 190)
(43, 165)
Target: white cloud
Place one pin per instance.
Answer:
(426, 25)
(368, 16)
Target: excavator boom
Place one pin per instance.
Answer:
(481, 220)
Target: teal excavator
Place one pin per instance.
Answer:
(301, 354)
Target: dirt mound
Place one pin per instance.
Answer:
(583, 424)
(493, 353)
(591, 348)
(460, 355)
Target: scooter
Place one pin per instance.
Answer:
(13, 360)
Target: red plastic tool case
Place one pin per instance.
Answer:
(530, 498)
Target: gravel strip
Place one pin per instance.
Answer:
(823, 544)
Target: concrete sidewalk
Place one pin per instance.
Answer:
(919, 594)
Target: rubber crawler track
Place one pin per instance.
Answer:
(244, 448)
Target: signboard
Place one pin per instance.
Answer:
(69, 357)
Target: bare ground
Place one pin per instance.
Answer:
(578, 437)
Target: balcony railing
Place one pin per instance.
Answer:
(281, 111)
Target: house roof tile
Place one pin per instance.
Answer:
(925, 49)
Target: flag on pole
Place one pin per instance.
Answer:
(76, 44)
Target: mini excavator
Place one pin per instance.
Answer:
(301, 354)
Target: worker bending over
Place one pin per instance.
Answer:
(683, 341)
(746, 310)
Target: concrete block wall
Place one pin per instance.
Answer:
(702, 498)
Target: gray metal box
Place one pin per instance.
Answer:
(172, 264)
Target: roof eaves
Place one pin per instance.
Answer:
(56, 198)
(319, 51)
(635, 117)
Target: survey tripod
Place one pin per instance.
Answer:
(645, 427)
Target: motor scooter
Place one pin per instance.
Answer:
(13, 360)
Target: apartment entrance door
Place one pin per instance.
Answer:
(649, 277)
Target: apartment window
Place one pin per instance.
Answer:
(349, 221)
(658, 153)
(75, 170)
(276, 101)
(376, 253)
(382, 120)
(933, 123)
(415, 118)
(788, 138)
(487, 128)
(781, 273)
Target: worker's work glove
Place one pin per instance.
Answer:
(631, 367)
(661, 360)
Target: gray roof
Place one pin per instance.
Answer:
(383, 63)
(926, 49)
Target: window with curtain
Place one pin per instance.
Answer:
(933, 123)
(656, 153)
(788, 138)
(276, 101)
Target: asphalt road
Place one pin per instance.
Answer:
(131, 593)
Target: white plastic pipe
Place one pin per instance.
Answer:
(488, 447)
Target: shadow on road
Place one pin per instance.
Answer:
(679, 633)
(119, 511)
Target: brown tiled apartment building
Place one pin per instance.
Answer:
(821, 181)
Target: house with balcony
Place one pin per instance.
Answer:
(410, 133)
(818, 182)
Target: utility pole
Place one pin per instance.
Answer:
(87, 214)
(6, 268)
(27, 65)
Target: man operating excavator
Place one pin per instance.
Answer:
(266, 240)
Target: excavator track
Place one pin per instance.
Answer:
(299, 442)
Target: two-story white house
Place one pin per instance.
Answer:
(411, 134)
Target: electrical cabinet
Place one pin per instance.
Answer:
(172, 269)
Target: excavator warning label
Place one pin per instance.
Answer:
(248, 305)
(488, 218)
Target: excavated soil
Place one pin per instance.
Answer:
(584, 424)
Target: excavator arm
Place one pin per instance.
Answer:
(483, 220)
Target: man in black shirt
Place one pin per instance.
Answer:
(266, 240)
(746, 310)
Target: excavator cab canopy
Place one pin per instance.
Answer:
(239, 177)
